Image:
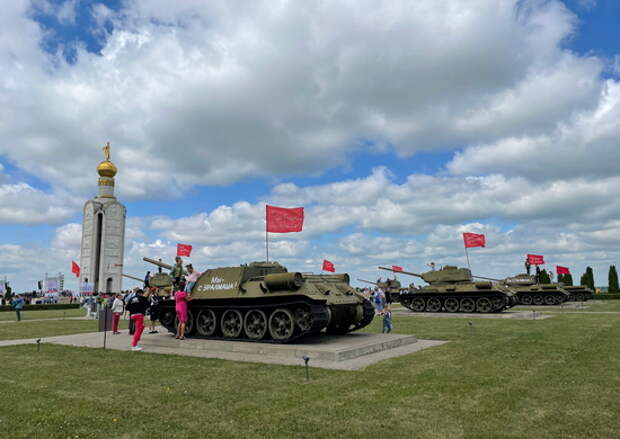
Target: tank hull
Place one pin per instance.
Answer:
(579, 293)
(280, 319)
(537, 297)
(462, 302)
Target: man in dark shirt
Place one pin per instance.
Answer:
(137, 306)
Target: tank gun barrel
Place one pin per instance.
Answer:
(367, 281)
(401, 271)
(488, 278)
(133, 277)
(158, 263)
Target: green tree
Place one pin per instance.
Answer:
(613, 280)
(567, 279)
(544, 277)
(589, 278)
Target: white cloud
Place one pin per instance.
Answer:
(211, 93)
(23, 204)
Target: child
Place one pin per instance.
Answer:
(387, 320)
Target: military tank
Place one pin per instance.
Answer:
(530, 292)
(579, 293)
(263, 302)
(390, 287)
(452, 289)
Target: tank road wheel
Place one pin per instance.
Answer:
(550, 300)
(167, 318)
(232, 323)
(206, 322)
(451, 304)
(468, 305)
(303, 318)
(255, 324)
(526, 300)
(538, 300)
(418, 304)
(281, 324)
(483, 304)
(433, 305)
(580, 298)
(498, 303)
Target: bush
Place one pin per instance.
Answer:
(39, 307)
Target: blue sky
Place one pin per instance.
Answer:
(211, 109)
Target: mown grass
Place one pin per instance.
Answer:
(48, 328)
(495, 379)
(43, 314)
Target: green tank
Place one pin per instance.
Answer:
(579, 293)
(452, 289)
(530, 292)
(262, 301)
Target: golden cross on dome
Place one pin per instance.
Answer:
(106, 151)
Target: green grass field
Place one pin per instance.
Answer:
(42, 314)
(553, 378)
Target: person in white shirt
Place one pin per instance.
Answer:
(117, 310)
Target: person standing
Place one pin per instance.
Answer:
(181, 299)
(177, 272)
(18, 304)
(153, 311)
(387, 320)
(137, 308)
(528, 266)
(117, 311)
(147, 280)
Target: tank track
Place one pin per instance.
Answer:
(457, 303)
(319, 311)
(535, 298)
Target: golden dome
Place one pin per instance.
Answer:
(107, 169)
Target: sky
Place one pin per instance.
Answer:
(397, 125)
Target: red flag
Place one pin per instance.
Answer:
(283, 220)
(397, 268)
(184, 250)
(536, 259)
(562, 270)
(75, 268)
(328, 266)
(474, 240)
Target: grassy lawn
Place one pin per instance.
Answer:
(42, 329)
(497, 379)
(43, 314)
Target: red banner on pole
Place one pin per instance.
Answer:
(562, 270)
(75, 268)
(328, 266)
(397, 268)
(283, 220)
(474, 240)
(184, 250)
(536, 259)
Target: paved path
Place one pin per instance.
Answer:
(347, 352)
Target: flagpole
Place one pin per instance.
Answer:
(266, 243)
(467, 256)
